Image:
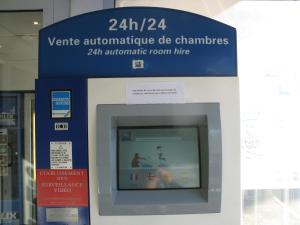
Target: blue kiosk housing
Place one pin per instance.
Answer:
(87, 126)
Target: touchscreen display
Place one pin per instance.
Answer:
(158, 158)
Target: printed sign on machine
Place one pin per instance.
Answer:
(61, 104)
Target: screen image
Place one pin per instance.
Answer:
(158, 158)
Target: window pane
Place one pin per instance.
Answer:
(268, 57)
(18, 69)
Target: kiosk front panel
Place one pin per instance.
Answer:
(138, 120)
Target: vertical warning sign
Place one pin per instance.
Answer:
(61, 154)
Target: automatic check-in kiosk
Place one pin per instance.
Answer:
(138, 120)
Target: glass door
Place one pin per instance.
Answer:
(18, 71)
(11, 133)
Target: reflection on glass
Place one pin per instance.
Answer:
(272, 207)
(18, 69)
(270, 109)
(10, 157)
(158, 157)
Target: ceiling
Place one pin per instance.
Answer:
(19, 36)
(19, 49)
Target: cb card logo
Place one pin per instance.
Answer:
(61, 104)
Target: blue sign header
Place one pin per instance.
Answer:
(137, 42)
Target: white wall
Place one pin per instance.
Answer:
(207, 8)
(79, 7)
(222, 90)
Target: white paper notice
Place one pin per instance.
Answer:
(61, 155)
(155, 92)
(65, 215)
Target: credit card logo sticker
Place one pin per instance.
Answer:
(61, 104)
(61, 126)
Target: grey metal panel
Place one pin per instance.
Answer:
(206, 199)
